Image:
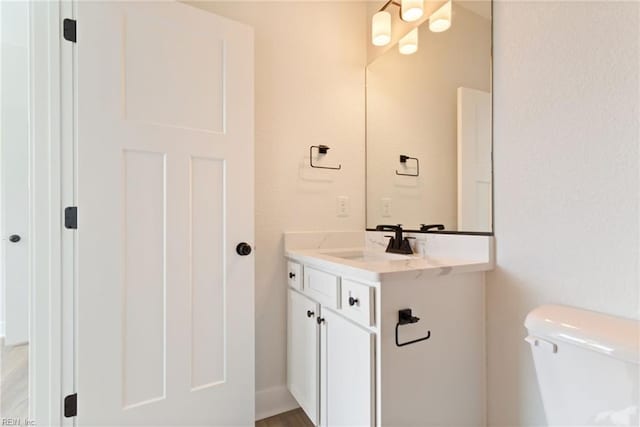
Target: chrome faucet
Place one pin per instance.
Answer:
(397, 244)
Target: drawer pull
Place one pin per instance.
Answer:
(353, 301)
(292, 275)
(310, 313)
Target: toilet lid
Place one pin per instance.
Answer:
(614, 336)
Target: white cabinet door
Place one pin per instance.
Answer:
(347, 370)
(302, 352)
(165, 332)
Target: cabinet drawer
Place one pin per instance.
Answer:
(357, 302)
(294, 275)
(321, 286)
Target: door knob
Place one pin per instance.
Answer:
(243, 249)
(310, 313)
(14, 238)
(353, 301)
(292, 275)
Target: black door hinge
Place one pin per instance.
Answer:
(69, 29)
(71, 217)
(71, 405)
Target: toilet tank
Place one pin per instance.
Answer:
(587, 366)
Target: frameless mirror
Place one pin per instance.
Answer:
(429, 121)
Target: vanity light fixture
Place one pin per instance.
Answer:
(381, 28)
(409, 43)
(412, 10)
(440, 20)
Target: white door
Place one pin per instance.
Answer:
(474, 160)
(347, 372)
(302, 352)
(14, 139)
(165, 326)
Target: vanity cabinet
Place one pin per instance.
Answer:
(331, 352)
(330, 364)
(355, 360)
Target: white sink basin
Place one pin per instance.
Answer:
(368, 256)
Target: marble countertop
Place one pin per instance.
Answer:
(375, 269)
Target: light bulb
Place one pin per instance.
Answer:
(409, 43)
(440, 20)
(412, 10)
(381, 28)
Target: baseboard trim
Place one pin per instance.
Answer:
(274, 401)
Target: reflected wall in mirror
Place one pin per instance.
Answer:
(429, 127)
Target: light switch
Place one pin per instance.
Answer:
(342, 206)
(385, 207)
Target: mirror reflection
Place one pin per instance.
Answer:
(429, 123)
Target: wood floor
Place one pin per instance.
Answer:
(14, 381)
(295, 418)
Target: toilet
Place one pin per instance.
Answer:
(587, 366)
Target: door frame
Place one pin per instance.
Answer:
(51, 351)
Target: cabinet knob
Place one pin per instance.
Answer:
(14, 238)
(310, 313)
(320, 320)
(292, 275)
(353, 301)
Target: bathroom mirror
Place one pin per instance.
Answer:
(429, 143)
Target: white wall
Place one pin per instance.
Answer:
(566, 104)
(310, 61)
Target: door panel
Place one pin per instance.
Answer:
(14, 158)
(165, 329)
(302, 352)
(195, 68)
(144, 283)
(347, 368)
(207, 263)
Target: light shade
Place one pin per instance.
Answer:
(409, 43)
(381, 28)
(440, 20)
(411, 10)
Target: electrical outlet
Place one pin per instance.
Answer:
(386, 207)
(342, 206)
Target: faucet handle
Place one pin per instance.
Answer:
(385, 227)
(427, 227)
